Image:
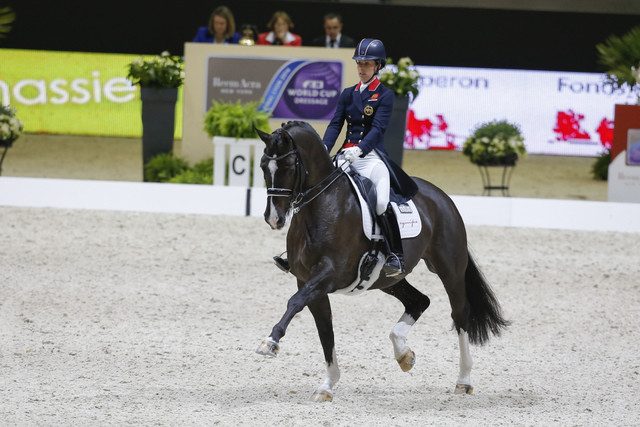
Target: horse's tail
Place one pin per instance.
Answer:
(485, 313)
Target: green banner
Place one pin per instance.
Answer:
(74, 93)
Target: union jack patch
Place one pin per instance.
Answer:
(375, 96)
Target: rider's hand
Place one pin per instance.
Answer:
(352, 153)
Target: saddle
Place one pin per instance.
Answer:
(406, 215)
(405, 210)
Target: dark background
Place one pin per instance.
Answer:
(464, 37)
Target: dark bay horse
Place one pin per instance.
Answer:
(326, 241)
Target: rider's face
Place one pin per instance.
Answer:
(366, 70)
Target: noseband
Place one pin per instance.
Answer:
(297, 194)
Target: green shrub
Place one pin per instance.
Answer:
(235, 120)
(204, 166)
(193, 177)
(167, 168)
(600, 168)
(163, 167)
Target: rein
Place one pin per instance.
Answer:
(298, 196)
(298, 203)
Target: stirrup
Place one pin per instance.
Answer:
(282, 263)
(393, 266)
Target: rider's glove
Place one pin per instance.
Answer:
(352, 153)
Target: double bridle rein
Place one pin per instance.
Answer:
(297, 194)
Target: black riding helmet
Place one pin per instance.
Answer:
(371, 49)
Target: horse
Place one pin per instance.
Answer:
(326, 241)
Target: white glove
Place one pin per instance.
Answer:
(352, 153)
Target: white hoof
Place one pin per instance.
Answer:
(268, 348)
(322, 396)
(407, 361)
(463, 389)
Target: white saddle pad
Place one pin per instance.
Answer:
(406, 214)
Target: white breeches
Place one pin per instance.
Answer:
(373, 168)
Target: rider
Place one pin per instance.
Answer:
(366, 107)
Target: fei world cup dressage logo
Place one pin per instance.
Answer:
(304, 89)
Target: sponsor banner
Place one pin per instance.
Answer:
(73, 93)
(304, 89)
(564, 113)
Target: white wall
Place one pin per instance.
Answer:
(218, 200)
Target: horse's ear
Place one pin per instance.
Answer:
(266, 137)
(287, 138)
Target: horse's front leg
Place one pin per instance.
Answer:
(316, 287)
(271, 345)
(321, 310)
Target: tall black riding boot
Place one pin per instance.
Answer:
(394, 264)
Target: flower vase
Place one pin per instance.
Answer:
(158, 121)
(395, 133)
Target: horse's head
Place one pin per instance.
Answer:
(294, 160)
(282, 169)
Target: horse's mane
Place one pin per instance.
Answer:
(293, 126)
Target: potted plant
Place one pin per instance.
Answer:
(235, 120)
(496, 143)
(620, 56)
(234, 125)
(404, 80)
(159, 79)
(10, 129)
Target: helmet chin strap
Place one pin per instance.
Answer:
(370, 80)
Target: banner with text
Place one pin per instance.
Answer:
(565, 113)
(73, 93)
(299, 89)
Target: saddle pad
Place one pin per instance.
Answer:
(406, 214)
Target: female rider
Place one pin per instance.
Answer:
(366, 107)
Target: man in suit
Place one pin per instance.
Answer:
(333, 33)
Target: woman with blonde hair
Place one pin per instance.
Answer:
(221, 28)
(280, 24)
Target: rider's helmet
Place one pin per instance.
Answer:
(371, 49)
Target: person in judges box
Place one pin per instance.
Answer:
(333, 37)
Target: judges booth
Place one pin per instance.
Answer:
(292, 83)
(624, 170)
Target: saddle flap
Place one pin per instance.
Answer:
(406, 213)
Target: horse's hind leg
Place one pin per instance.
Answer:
(415, 303)
(460, 314)
(463, 385)
(321, 310)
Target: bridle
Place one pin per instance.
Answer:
(286, 192)
(297, 194)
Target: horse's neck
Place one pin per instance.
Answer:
(317, 167)
(333, 201)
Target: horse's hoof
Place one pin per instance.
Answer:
(268, 348)
(463, 389)
(322, 396)
(407, 361)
